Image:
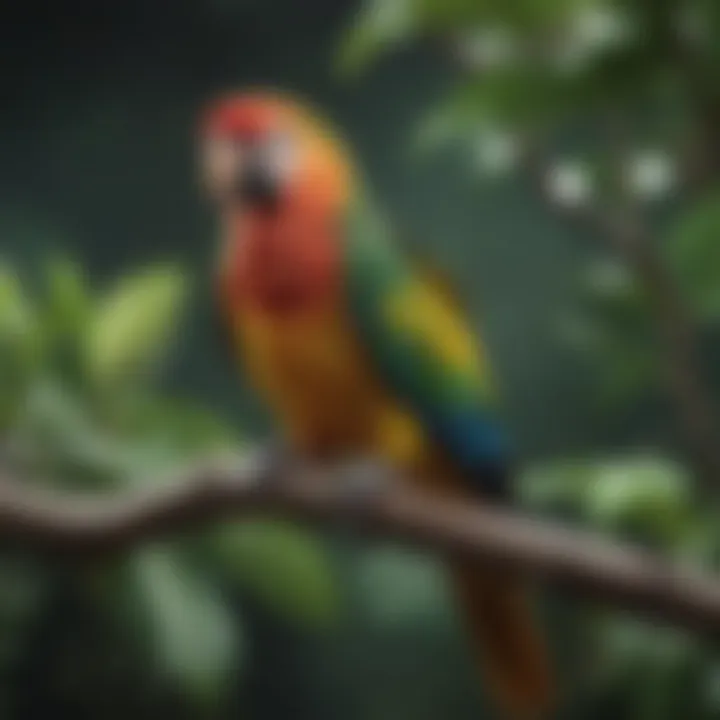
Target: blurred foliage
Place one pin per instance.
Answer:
(168, 609)
(283, 567)
(178, 629)
(123, 338)
(640, 669)
(613, 95)
(82, 409)
(694, 252)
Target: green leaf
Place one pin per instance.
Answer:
(133, 325)
(693, 251)
(629, 643)
(174, 423)
(190, 636)
(561, 484)
(517, 96)
(283, 565)
(62, 438)
(648, 494)
(64, 442)
(384, 24)
(400, 590)
(380, 25)
(644, 493)
(658, 669)
(613, 331)
(65, 314)
(67, 297)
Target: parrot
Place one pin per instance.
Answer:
(358, 349)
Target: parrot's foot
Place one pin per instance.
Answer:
(362, 481)
(262, 465)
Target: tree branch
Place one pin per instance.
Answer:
(625, 233)
(81, 525)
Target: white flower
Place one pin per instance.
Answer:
(569, 183)
(651, 174)
(496, 152)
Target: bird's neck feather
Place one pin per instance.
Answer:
(282, 261)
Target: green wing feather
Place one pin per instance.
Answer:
(422, 348)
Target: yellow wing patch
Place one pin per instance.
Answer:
(419, 309)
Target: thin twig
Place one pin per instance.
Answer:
(626, 234)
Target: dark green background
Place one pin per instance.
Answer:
(99, 106)
(96, 158)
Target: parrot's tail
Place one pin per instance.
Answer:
(506, 641)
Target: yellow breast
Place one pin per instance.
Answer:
(309, 369)
(317, 380)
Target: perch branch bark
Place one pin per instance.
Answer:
(82, 525)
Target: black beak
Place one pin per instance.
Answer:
(257, 185)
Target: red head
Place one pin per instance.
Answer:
(263, 150)
(281, 181)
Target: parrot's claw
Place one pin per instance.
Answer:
(362, 481)
(261, 465)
